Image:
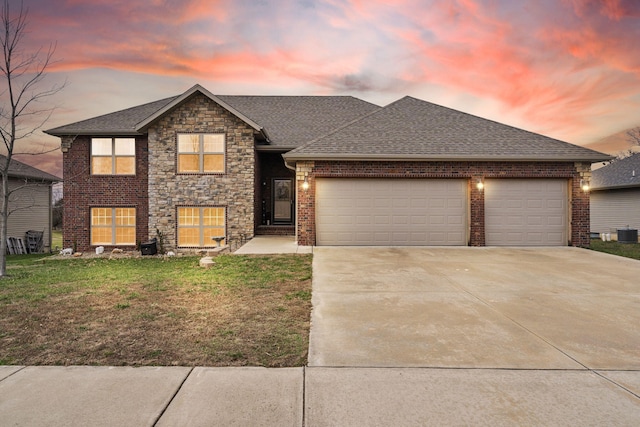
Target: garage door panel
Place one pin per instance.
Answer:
(392, 211)
(526, 212)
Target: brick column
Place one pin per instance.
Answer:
(306, 218)
(476, 198)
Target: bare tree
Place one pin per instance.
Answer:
(21, 110)
(633, 136)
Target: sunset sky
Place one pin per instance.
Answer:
(569, 69)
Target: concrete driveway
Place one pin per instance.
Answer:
(514, 308)
(473, 336)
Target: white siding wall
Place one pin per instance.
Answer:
(30, 210)
(613, 209)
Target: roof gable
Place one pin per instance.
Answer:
(413, 129)
(623, 173)
(145, 123)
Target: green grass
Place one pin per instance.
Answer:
(245, 310)
(56, 240)
(628, 250)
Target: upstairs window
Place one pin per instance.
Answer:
(113, 156)
(201, 153)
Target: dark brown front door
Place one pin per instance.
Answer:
(282, 201)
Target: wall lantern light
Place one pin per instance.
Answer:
(480, 184)
(584, 184)
(305, 184)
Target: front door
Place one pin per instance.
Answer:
(282, 201)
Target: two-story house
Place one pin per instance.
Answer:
(332, 170)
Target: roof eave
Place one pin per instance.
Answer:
(35, 178)
(61, 134)
(292, 157)
(278, 148)
(616, 187)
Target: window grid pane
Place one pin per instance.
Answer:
(125, 147)
(213, 162)
(188, 236)
(188, 163)
(213, 143)
(101, 147)
(101, 236)
(188, 217)
(188, 143)
(102, 165)
(125, 165)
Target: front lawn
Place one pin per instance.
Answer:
(245, 310)
(629, 250)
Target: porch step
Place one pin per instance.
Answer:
(276, 230)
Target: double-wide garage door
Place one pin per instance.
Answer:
(391, 212)
(434, 212)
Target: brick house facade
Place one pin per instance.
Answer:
(82, 191)
(573, 172)
(274, 144)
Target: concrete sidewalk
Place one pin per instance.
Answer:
(315, 396)
(273, 245)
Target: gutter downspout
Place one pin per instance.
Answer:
(295, 180)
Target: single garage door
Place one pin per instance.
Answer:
(401, 212)
(526, 212)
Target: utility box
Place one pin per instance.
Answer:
(150, 247)
(628, 235)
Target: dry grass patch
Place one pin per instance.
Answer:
(246, 310)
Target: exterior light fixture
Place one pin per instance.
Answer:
(305, 184)
(480, 184)
(584, 184)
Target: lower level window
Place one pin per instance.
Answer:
(113, 226)
(198, 225)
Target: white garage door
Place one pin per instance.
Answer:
(402, 212)
(526, 212)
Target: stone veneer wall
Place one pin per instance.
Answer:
(169, 190)
(82, 191)
(573, 172)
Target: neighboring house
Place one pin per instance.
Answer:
(30, 202)
(615, 196)
(199, 165)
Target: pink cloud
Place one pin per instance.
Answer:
(557, 65)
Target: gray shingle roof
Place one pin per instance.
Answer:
(289, 121)
(414, 129)
(622, 173)
(22, 170)
(121, 122)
